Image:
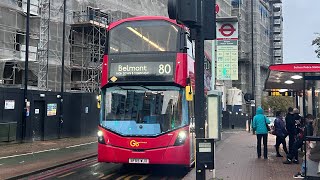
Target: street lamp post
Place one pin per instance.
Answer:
(62, 67)
(26, 69)
(252, 62)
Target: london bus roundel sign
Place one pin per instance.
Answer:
(227, 30)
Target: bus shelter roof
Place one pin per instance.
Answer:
(291, 76)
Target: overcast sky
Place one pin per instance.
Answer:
(301, 21)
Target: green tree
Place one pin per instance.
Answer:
(316, 42)
(277, 103)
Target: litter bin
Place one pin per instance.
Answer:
(8, 131)
(12, 131)
(4, 132)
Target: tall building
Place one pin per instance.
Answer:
(277, 32)
(263, 47)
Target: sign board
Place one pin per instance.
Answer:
(217, 8)
(141, 71)
(51, 109)
(227, 50)
(86, 110)
(205, 147)
(9, 104)
(36, 111)
(142, 68)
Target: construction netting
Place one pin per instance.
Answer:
(84, 40)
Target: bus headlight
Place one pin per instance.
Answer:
(182, 136)
(100, 137)
(100, 133)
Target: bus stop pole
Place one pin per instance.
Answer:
(199, 95)
(304, 97)
(313, 92)
(297, 99)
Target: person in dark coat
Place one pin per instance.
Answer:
(291, 128)
(281, 133)
(304, 131)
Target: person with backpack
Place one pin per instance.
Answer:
(260, 126)
(281, 133)
(303, 130)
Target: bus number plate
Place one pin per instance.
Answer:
(139, 161)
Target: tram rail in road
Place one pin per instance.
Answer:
(89, 168)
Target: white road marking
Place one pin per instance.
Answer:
(81, 144)
(54, 149)
(95, 165)
(6, 157)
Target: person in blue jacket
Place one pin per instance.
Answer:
(259, 125)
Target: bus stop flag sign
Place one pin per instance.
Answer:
(227, 50)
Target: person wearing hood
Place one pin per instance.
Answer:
(259, 124)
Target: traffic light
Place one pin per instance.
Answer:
(195, 13)
(184, 11)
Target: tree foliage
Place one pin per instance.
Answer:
(316, 42)
(277, 103)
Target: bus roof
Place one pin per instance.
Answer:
(291, 76)
(143, 18)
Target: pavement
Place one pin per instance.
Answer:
(236, 159)
(20, 158)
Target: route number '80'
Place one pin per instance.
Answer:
(164, 69)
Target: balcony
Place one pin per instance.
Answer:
(277, 45)
(277, 38)
(278, 60)
(277, 31)
(276, 8)
(277, 53)
(277, 22)
(276, 1)
(277, 15)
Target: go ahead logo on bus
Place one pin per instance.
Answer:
(135, 143)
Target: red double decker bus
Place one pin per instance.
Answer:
(147, 109)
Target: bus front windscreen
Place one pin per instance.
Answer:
(143, 111)
(143, 36)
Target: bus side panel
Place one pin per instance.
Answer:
(181, 69)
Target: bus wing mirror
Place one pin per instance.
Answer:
(189, 93)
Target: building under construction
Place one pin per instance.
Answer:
(86, 24)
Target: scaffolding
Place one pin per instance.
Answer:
(88, 39)
(85, 40)
(43, 49)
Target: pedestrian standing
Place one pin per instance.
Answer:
(259, 125)
(291, 128)
(281, 133)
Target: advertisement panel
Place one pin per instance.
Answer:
(52, 109)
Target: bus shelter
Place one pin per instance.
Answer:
(301, 80)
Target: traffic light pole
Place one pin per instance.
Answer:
(199, 93)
